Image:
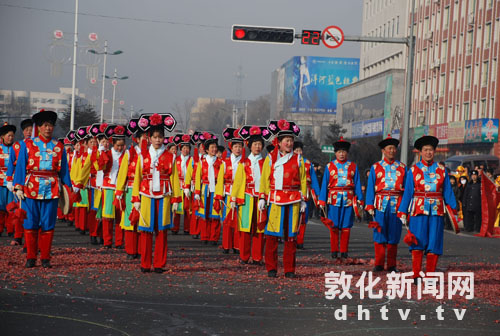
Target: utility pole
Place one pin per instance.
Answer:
(73, 86)
(103, 79)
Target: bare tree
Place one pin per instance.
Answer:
(182, 113)
(259, 111)
(214, 117)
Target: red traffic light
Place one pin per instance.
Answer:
(260, 34)
(239, 33)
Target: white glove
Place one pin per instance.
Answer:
(404, 220)
(371, 212)
(174, 206)
(137, 206)
(10, 186)
(262, 205)
(232, 205)
(186, 192)
(20, 194)
(197, 197)
(119, 197)
(303, 206)
(76, 190)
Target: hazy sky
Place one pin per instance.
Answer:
(166, 62)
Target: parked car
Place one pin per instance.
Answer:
(471, 161)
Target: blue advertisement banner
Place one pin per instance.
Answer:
(311, 83)
(481, 130)
(367, 128)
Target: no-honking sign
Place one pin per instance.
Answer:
(332, 37)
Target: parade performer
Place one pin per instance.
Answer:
(125, 185)
(426, 194)
(153, 195)
(283, 187)
(245, 194)
(225, 180)
(313, 191)
(82, 206)
(190, 183)
(183, 162)
(383, 194)
(339, 190)
(7, 133)
(27, 128)
(109, 163)
(207, 171)
(41, 166)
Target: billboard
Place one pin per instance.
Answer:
(481, 130)
(311, 83)
(367, 128)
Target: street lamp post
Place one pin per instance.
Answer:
(73, 84)
(105, 53)
(115, 83)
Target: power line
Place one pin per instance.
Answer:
(116, 17)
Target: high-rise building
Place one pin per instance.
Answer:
(383, 18)
(455, 74)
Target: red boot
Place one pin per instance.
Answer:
(392, 253)
(416, 260)
(344, 242)
(379, 257)
(432, 260)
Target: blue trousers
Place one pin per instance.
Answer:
(5, 198)
(391, 227)
(41, 214)
(429, 233)
(342, 217)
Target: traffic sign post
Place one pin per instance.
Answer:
(328, 149)
(332, 37)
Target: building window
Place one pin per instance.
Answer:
(484, 75)
(494, 70)
(487, 35)
(457, 113)
(492, 108)
(444, 51)
(397, 25)
(453, 45)
(442, 84)
(35, 101)
(446, 17)
(483, 108)
(489, 4)
(470, 42)
(466, 111)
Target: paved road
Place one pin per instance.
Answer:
(204, 292)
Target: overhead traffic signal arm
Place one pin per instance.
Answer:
(258, 34)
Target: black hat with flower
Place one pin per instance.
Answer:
(116, 132)
(231, 135)
(157, 120)
(280, 128)
(254, 133)
(98, 129)
(208, 138)
(82, 133)
(183, 139)
(71, 136)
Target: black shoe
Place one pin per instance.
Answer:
(30, 263)
(159, 270)
(272, 273)
(214, 243)
(130, 256)
(235, 251)
(70, 223)
(107, 246)
(25, 250)
(77, 229)
(195, 236)
(101, 241)
(186, 233)
(343, 255)
(18, 241)
(335, 255)
(46, 263)
(1, 234)
(258, 263)
(243, 262)
(120, 247)
(393, 269)
(93, 241)
(83, 232)
(378, 268)
(175, 232)
(145, 270)
(136, 256)
(205, 242)
(225, 251)
(10, 234)
(300, 246)
(290, 275)
(416, 281)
